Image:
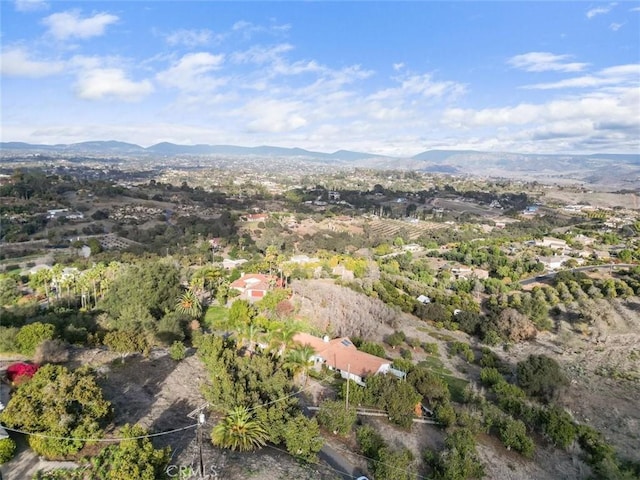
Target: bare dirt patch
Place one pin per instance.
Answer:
(159, 393)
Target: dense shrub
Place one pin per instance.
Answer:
(7, 450)
(32, 335)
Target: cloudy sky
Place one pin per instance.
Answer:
(386, 77)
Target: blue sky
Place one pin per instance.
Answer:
(394, 78)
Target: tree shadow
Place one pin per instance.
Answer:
(175, 417)
(131, 385)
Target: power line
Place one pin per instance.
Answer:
(307, 461)
(112, 439)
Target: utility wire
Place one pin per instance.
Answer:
(112, 439)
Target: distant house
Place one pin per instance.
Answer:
(254, 286)
(302, 259)
(554, 262)
(342, 356)
(256, 217)
(423, 299)
(552, 242)
(229, 264)
(462, 271)
(64, 213)
(412, 247)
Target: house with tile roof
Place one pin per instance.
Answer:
(254, 286)
(341, 355)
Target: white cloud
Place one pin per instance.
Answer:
(190, 38)
(110, 83)
(600, 10)
(616, 75)
(598, 108)
(273, 116)
(192, 72)
(16, 62)
(398, 66)
(248, 29)
(545, 61)
(31, 5)
(616, 26)
(260, 54)
(419, 85)
(70, 24)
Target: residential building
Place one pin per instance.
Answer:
(341, 355)
(254, 286)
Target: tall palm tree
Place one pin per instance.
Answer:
(239, 431)
(41, 280)
(248, 335)
(299, 360)
(189, 304)
(283, 336)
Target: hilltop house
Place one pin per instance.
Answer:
(341, 355)
(552, 242)
(254, 286)
(229, 264)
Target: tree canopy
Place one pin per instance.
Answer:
(57, 402)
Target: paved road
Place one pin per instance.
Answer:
(339, 463)
(586, 268)
(332, 456)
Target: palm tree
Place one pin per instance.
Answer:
(299, 360)
(248, 334)
(189, 304)
(283, 336)
(239, 431)
(41, 280)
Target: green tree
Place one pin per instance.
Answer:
(134, 457)
(336, 417)
(459, 459)
(153, 285)
(238, 430)
(57, 402)
(9, 292)
(177, 351)
(7, 449)
(126, 342)
(298, 361)
(373, 348)
(432, 388)
(370, 441)
(513, 434)
(189, 304)
(540, 376)
(32, 335)
(445, 414)
(302, 438)
(558, 426)
(400, 403)
(395, 465)
(241, 313)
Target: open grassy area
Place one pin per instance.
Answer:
(456, 385)
(216, 317)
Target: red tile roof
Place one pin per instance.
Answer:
(341, 354)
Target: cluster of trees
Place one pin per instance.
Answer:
(539, 378)
(255, 398)
(385, 462)
(62, 407)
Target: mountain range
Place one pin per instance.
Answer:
(599, 168)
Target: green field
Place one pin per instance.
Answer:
(216, 317)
